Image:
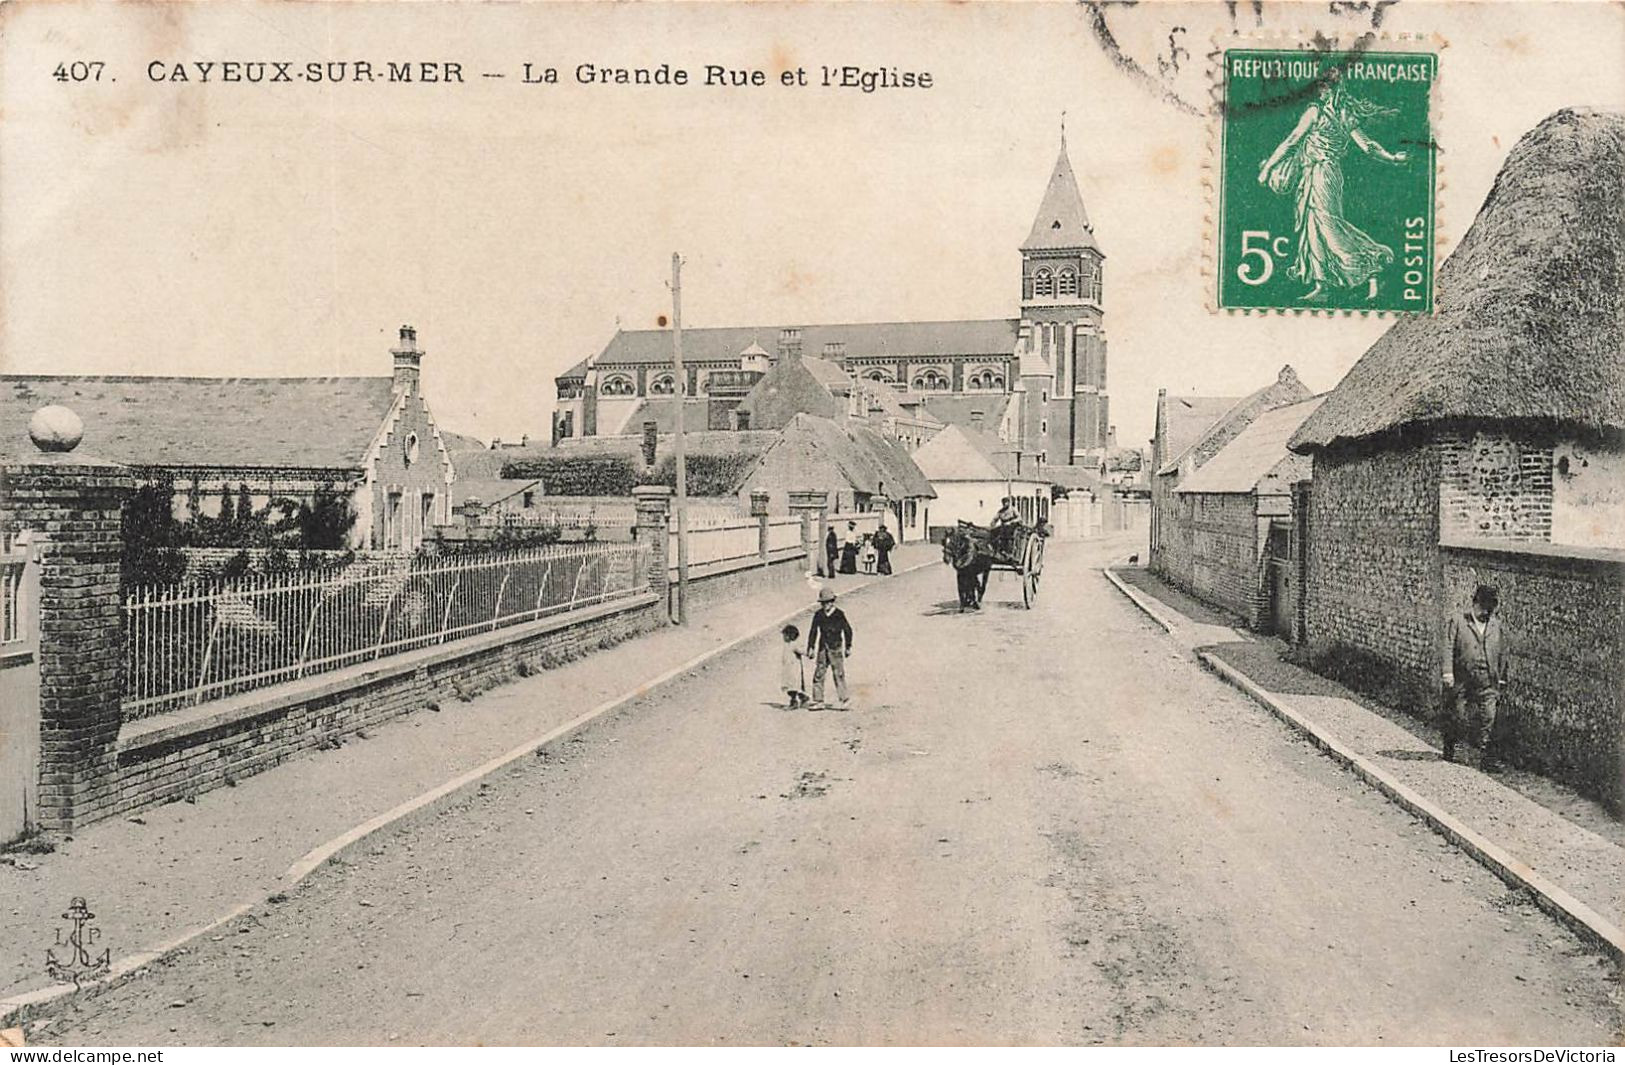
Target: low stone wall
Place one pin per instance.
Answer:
(172, 756)
(1563, 610)
(727, 580)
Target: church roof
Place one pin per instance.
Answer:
(323, 423)
(1061, 221)
(724, 345)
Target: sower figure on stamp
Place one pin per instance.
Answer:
(1475, 669)
(829, 637)
(1309, 165)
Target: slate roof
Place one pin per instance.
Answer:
(658, 409)
(723, 345)
(1257, 455)
(791, 387)
(956, 410)
(460, 442)
(1061, 221)
(324, 423)
(828, 374)
(1528, 325)
(1186, 418)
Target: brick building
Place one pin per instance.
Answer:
(1190, 430)
(1046, 366)
(281, 438)
(1224, 515)
(1486, 443)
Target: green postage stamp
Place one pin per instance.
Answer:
(1326, 188)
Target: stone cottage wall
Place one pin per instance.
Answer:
(1372, 578)
(1563, 611)
(1223, 536)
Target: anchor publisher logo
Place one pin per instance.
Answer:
(78, 965)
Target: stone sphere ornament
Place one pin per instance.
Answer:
(56, 428)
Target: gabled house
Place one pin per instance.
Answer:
(372, 439)
(1486, 444)
(971, 474)
(1226, 512)
(1189, 431)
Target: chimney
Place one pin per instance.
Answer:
(650, 441)
(408, 357)
(1287, 376)
(524, 439)
(976, 420)
(789, 344)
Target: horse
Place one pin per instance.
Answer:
(971, 562)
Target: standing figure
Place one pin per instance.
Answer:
(849, 548)
(829, 637)
(832, 547)
(792, 668)
(1308, 164)
(884, 542)
(1475, 670)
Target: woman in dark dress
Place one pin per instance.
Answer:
(849, 549)
(883, 542)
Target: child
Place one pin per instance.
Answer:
(866, 556)
(792, 672)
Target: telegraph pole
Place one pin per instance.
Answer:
(678, 395)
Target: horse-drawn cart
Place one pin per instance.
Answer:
(974, 551)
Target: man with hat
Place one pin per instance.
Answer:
(829, 637)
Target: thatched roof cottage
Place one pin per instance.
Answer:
(1486, 443)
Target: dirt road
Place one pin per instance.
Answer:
(1034, 827)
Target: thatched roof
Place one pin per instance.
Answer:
(1528, 326)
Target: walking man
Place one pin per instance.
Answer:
(1475, 669)
(829, 637)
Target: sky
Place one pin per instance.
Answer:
(234, 229)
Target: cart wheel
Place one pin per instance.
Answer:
(1031, 563)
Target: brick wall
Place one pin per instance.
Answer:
(1562, 713)
(76, 504)
(1372, 575)
(257, 731)
(1494, 486)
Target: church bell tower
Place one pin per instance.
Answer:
(1061, 344)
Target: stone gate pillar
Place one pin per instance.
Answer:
(74, 504)
(653, 502)
(758, 510)
(812, 507)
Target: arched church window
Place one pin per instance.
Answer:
(878, 374)
(617, 385)
(1043, 284)
(663, 385)
(995, 380)
(930, 381)
(1068, 283)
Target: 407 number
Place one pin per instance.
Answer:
(1259, 251)
(79, 71)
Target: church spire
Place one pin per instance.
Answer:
(1061, 222)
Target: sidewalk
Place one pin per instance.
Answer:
(155, 878)
(1574, 865)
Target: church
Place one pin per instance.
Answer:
(1036, 382)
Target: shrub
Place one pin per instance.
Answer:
(578, 475)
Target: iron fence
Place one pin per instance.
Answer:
(189, 644)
